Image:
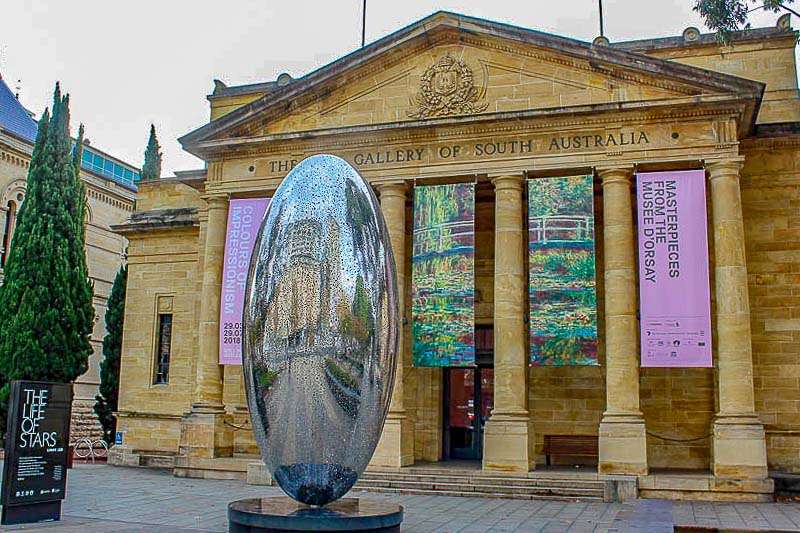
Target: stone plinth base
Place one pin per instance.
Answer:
(739, 448)
(396, 447)
(219, 468)
(121, 455)
(508, 444)
(206, 434)
(284, 514)
(703, 486)
(622, 445)
(257, 474)
(620, 488)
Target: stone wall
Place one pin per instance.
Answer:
(162, 277)
(769, 61)
(678, 404)
(771, 204)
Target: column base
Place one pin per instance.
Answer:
(396, 447)
(623, 445)
(508, 443)
(206, 433)
(739, 447)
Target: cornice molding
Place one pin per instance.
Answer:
(770, 143)
(462, 127)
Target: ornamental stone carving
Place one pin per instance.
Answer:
(447, 88)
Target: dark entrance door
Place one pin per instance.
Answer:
(469, 397)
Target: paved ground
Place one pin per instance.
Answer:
(122, 500)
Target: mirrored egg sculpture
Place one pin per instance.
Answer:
(320, 330)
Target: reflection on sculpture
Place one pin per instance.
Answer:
(320, 330)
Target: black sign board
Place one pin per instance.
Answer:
(37, 445)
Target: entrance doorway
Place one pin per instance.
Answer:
(469, 396)
(468, 400)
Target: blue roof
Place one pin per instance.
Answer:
(13, 117)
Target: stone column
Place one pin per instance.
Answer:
(205, 430)
(508, 436)
(623, 443)
(396, 447)
(739, 448)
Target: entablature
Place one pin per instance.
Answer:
(524, 143)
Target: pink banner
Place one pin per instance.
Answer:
(244, 221)
(673, 269)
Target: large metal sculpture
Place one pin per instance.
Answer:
(320, 330)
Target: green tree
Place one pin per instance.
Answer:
(362, 309)
(151, 170)
(46, 296)
(108, 398)
(726, 16)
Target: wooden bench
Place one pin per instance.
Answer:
(570, 445)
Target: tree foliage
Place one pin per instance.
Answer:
(107, 400)
(46, 298)
(726, 16)
(151, 170)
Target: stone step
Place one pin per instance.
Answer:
(585, 474)
(483, 479)
(485, 487)
(157, 461)
(476, 494)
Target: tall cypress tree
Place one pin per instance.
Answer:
(46, 296)
(151, 170)
(107, 400)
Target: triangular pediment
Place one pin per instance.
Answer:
(452, 66)
(457, 79)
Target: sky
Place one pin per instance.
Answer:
(127, 64)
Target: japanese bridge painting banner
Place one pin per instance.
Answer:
(443, 275)
(673, 269)
(244, 220)
(562, 282)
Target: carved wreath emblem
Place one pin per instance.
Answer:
(447, 88)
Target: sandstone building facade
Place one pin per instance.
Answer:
(110, 188)
(526, 105)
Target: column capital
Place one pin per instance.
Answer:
(615, 173)
(216, 201)
(724, 167)
(507, 180)
(392, 187)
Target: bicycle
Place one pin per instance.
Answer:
(86, 447)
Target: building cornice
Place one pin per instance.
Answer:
(159, 219)
(514, 122)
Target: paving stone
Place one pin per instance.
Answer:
(121, 500)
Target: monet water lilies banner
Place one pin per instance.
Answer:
(443, 275)
(562, 287)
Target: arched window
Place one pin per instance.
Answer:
(8, 232)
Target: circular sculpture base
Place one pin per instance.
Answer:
(280, 513)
